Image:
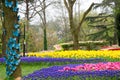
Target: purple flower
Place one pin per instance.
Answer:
(54, 60)
(53, 72)
(2, 60)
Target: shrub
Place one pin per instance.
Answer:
(89, 45)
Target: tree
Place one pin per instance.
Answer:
(44, 24)
(10, 39)
(41, 11)
(29, 13)
(1, 29)
(102, 27)
(114, 5)
(42, 14)
(75, 29)
(63, 30)
(117, 19)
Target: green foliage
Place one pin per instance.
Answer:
(34, 36)
(31, 38)
(113, 6)
(102, 27)
(90, 45)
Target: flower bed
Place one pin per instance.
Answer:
(56, 60)
(94, 67)
(54, 73)
(78, 68)
(80, 54)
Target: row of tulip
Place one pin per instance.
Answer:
(80, 54)
(93, 67)
(68, 72)
(105, 71)
(57, 72)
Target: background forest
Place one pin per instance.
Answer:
(59, 39)
(98, 25)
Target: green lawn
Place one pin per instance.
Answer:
(2, 72)
(26, 69)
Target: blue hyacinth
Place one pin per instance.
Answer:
(16, 26)
(13, 68)
(15, 9)
(9, 72)
(11, 58)
(7, 52)
(17, 56)
(8, 4)
(17, 46)
(14, 53)
(16, 62)
(16, 33)
(12, 40)
(18, 17)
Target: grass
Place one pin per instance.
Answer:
(2, 72)
(26, 69)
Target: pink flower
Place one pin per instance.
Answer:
(94, 67)
(80, 67)
(67, 68)
(74, 69)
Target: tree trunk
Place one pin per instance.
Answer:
(117, 21)
(10, 18)
(3, 37)
(44, 25)
(45, 40)
(76, 40)
(73, 30)
(75, 34)
(69, 5)
(27, 23)
(115, 36)
(27, 15)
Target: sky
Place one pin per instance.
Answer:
(84, 5)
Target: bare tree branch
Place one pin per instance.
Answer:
(66, 4)
(73, 1)
(84, 15)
